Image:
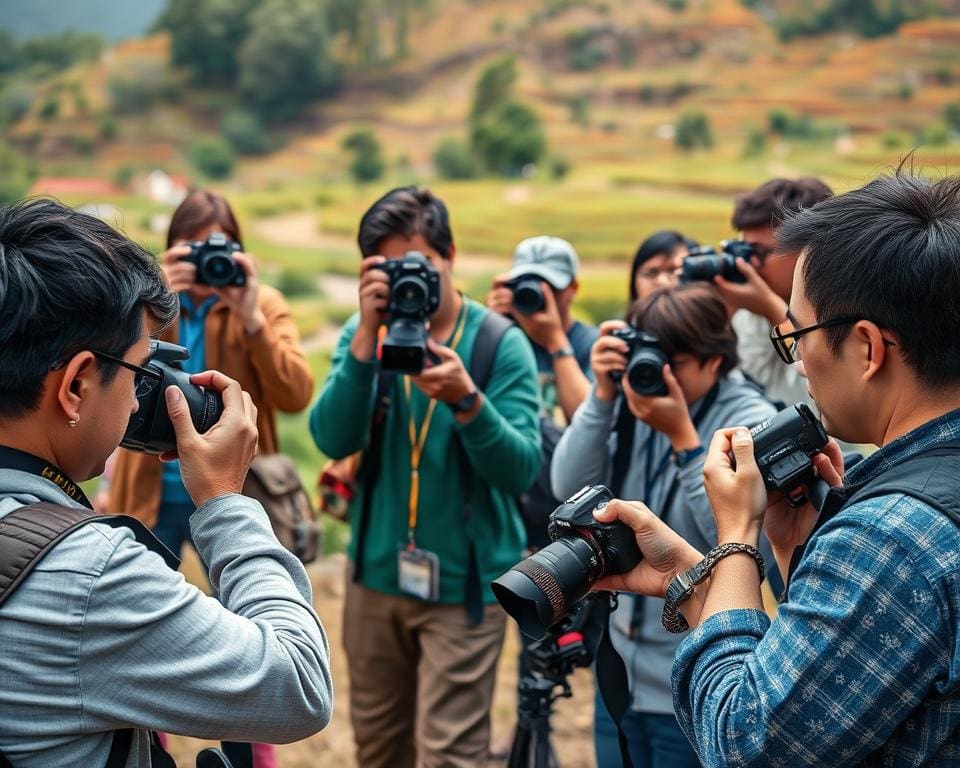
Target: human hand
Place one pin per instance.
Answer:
(734, 486)
(446, 380)
(215, 462)
(242, 299)
(667, 414)
(754, 295)
(608, 354)
(500, 296)
(665, 552)
(789, 527)
(180, 275)
(374, 293)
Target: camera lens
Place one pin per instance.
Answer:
(645, 372)
(701, 268)
(528, 296)
(219, 269)
(540, 590)
(410, 295)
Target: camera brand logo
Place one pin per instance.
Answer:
(62, 482)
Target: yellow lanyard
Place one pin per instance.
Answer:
(417, 442)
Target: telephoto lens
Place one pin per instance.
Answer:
(528, 298)
(704, 263)
(542, 590)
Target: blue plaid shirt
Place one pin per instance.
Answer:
(861, 666)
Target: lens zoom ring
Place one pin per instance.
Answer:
(546, 582)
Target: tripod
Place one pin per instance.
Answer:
(551, 659)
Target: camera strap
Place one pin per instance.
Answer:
(612, 681)
(11, 458)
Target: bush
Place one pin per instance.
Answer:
(123, 177)
(951, 113)
(891, 140)
(784, 123)
(935, 135)
(508, 139)
(755, 142)
(292, 284)
(15, 102)
(212, 156)
(367, 163)
(50, 108)
(244, 132)
(138, 86)
(559, 167)
(107, 126)
(579, 110)
(693, 131)
(452, 159)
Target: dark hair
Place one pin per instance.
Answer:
(199, 210)
(68, 282)
(772, 201)
(691, 318)
(406, 211)
(662, 243)
(888, 252)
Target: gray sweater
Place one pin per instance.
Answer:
(103, 635)
(584, 456)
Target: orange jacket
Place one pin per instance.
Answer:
(269, 365)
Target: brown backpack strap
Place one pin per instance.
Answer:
(29, 533)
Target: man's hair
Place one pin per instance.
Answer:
(888, 252)
(774, 200)
(406, 211)
(68, 282)
(692, 319)
(662, 243)
(199, 210)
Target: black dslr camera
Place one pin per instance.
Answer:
(414, 296)
(704, 263)
(647, 358)
(150, 429)
(215, 263)
(540, 591)
(784, 446)
(528, 296)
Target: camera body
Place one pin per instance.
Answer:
(542, 590)
(215, 263)
(704, 263)
(528, 298)
(646, 360)
(150, 429)
(784, 446)
(414, 296)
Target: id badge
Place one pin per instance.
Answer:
(419, 573)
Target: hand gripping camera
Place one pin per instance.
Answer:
(414, 296)
(647, 358)
(528, 298)
(215, 263)
(150, 429)
(784, 446)
(540, 591)
(704, 263)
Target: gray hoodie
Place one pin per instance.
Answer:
(584, 456)
(103, 635)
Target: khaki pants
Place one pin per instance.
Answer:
(421, 680)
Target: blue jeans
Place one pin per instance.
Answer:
(173, 525)
(656, 741)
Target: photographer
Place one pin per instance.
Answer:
(862, 656)
(761, 302)
(245, 331)
(102, 640)
(437, 520)
(657, 264)
(652, 448)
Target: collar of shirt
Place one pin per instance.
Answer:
(939, 430)
(186, 303)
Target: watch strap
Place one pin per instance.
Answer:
(466, 402)
(564, 351)
(683, 458)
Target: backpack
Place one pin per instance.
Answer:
(27, 535)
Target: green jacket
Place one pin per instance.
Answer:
(502, 444)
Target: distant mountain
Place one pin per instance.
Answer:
(111, 19)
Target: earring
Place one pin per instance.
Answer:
(73, 422)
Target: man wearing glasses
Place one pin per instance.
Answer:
(860, 665)
(761, 301)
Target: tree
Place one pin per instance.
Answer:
(494, 86)
(508, 138)
(367, 163)
(693, 131)
(285, 62)
(245, 133)
(205, 36)
(452, 159)
(212, 156)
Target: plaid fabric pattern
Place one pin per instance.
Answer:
(861, 666)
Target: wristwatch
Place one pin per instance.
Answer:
(565, 351)
(682, 458)
(683, 584)
(465, 403)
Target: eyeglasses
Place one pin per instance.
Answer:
(786, 342)
(145, 379)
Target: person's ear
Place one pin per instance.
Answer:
(871, 350)
(75, 384)
(573, 287)
(713, 365)
(452, 254)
